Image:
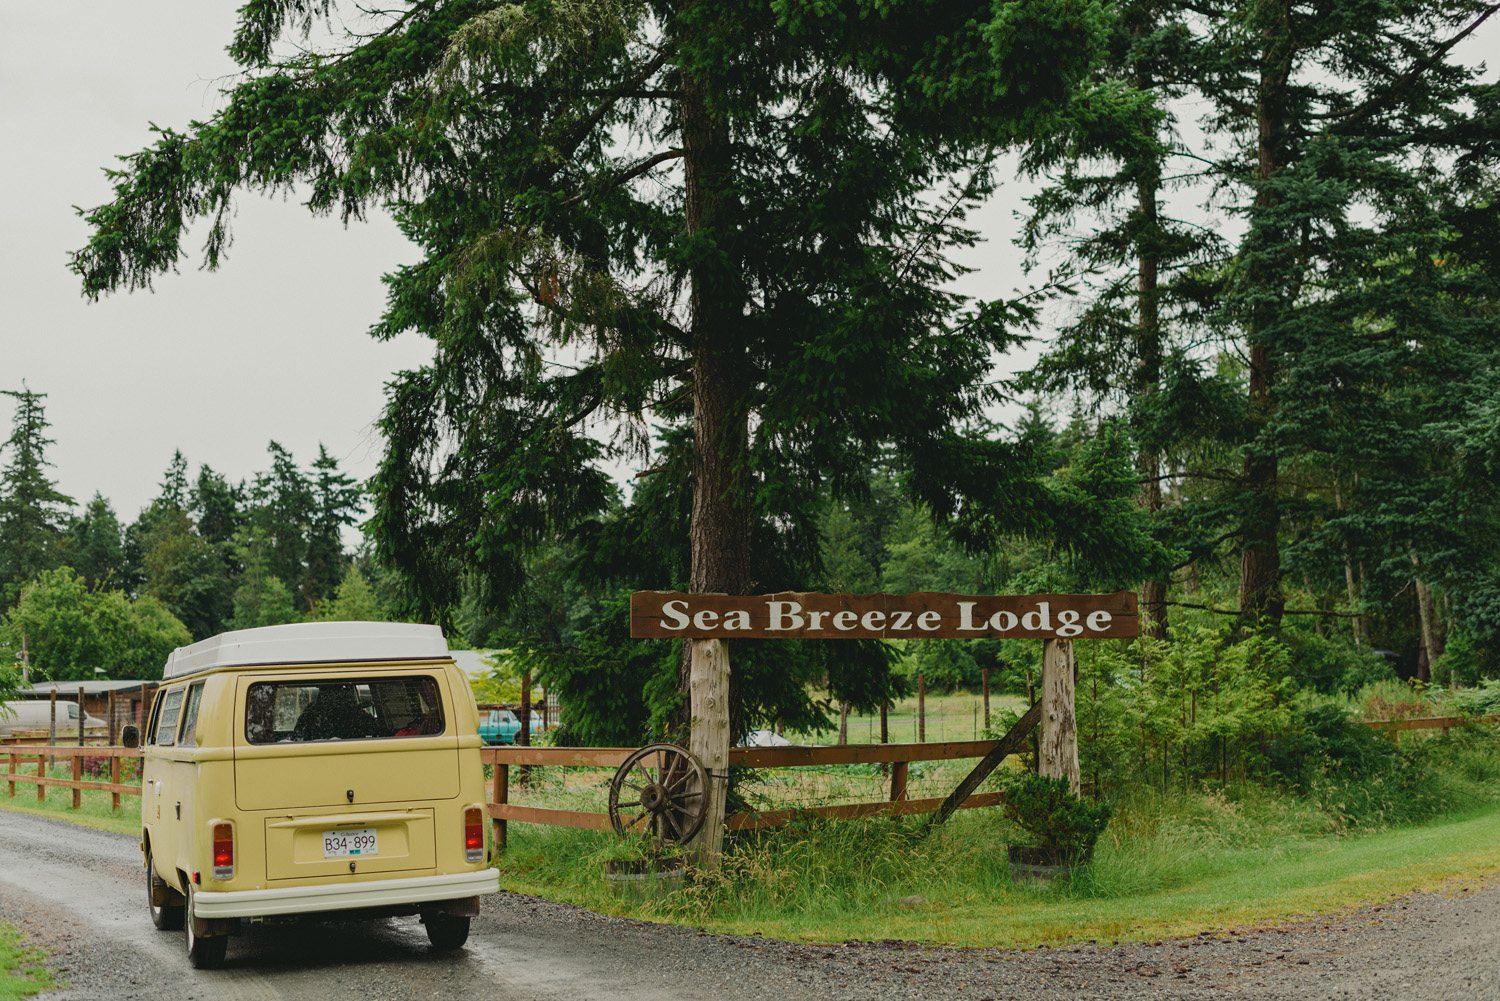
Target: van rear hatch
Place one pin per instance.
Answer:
(344, 741)
(324, 844)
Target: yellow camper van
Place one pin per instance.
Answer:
(317, 767)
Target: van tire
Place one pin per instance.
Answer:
(203, 953)
(168, 915)
(446, 932)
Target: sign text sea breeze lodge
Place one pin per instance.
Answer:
(924, 615)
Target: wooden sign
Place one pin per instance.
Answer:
(924, 615)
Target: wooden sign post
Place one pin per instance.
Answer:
(1059, 739)
(708, 692)
(706, 620)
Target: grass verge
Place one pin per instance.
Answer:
(95, 810)
(21, 971)
(1173, 865)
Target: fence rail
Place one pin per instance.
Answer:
(20, 753)
(898, 756)
(43, 753)
(1443, 723)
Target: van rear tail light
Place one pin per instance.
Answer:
(474, 834)
(223, 851)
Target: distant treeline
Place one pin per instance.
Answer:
(86, 591)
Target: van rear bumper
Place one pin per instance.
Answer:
(345, 896)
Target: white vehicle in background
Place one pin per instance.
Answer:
(765, 738)
(36, 714)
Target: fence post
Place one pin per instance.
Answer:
(81, 715)
(1059, 744)
(114, 778)
(921, 709)
(843, 724)
(41, 773)
(1036, 735)
(15, 764)
(109, 712)
(708, 695)
(984, 676)
(77, 777)
(898, 781)
(52, 726)
(523, 737)
(885, 734)
(500, 793)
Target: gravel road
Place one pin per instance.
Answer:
(81, 893)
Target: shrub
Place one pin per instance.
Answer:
(1394, 700)
(1481, 701)
(1325, 738)
(1046, 809)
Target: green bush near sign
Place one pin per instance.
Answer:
(1064, 827)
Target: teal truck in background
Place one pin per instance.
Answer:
(498, 725)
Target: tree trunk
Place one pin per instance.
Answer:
(719, 535)
(1059, 727)
(1260, 554)
(1357, 622)
(1431, 645)
(1148, 365)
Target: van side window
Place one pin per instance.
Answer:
(342, 709)
(155, 718)
(190, 712)
(72, 710)
(166, 726)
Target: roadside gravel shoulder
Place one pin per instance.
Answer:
(1432, 946)
(80, 893)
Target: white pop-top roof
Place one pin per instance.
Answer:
(309, 643)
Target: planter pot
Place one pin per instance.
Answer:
(644, 879)
(1041, 865)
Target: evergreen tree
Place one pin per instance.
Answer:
(95, 545)
(32, 510)
(1140, 271)
(261, 599)
(335, 504)
(1358, 295)
(174, 485)
(354, 601)
(183, 571)
(721, 210)
(217, 505)
(279, 514)
(1343, 123)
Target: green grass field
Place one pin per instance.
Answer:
(951, 716)
(95, 811)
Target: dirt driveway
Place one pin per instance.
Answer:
(81, 892)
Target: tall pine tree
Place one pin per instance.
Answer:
(704, 217)
(32, 510)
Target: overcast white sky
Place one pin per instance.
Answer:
(271, 346)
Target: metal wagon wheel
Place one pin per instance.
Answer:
(664, 786)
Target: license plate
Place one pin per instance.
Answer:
(343, 844)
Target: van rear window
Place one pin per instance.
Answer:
(342, 709)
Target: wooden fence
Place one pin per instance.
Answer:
(1444, 723)
(898, 756)
(20, 755)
